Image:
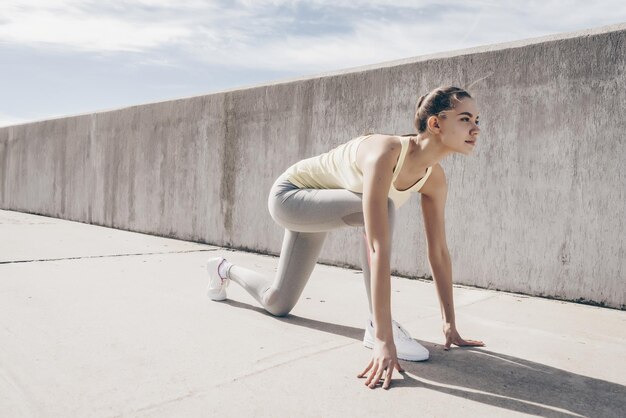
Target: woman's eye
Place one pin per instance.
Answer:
(467, 120)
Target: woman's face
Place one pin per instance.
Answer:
(459, 130)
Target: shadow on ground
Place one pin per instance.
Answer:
(492, 378)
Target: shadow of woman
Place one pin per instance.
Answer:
(493, 378)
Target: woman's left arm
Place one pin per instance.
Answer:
(434, 194)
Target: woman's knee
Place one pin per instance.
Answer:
(274, 304)
(278, 311)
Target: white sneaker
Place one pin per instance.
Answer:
(406, 347)
(216, 290)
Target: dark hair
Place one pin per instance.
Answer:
(435, 102)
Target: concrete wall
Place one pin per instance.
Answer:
(539, 209)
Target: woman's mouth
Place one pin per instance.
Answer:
(471, 142)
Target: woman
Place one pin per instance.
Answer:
(361, 183)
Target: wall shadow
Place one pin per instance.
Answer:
(492, 378)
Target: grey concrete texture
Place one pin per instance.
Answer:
(97, 322)
(539, 209)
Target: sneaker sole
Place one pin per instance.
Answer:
(216, 297)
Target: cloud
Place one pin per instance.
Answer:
(289, 35)
(82, 26)
(72, 55)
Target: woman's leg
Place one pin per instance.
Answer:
(307, 215)
(298, 256)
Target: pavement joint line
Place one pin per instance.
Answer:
(103, 256)
(482, 299)
(194, 394)
(306, 354)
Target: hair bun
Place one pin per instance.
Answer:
(420, 101)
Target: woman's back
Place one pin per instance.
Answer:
(340, 168)
(335, 169)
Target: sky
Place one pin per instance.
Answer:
(68, 57)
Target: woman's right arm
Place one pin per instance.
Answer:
(377, 170)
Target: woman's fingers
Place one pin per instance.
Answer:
(468, 343)
(387, 381)
(379, 375)
(369, 366)
(372, 374)
(462, 343)
(474, 343)
(398, 367)
(378, 371)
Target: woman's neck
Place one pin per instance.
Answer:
(426, 150)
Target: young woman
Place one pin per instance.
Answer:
(361, 183)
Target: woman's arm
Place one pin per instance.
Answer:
(377, 176)
(433, 209)
(377, 168)
(434, 195)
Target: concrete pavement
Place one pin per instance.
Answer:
(98, 322)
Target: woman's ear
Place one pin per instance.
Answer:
(433, 124)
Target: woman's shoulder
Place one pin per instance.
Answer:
(383, 138)
(377, 147)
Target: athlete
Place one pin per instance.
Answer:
(362, 183)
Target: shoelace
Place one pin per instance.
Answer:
(402, 333)
(222, 279)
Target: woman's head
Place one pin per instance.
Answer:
(449, 114)
(435, 102)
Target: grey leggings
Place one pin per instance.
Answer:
(307, 215)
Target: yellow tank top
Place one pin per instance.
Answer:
(337, 169)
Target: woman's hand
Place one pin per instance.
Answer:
(453, 337)
(384, 359)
